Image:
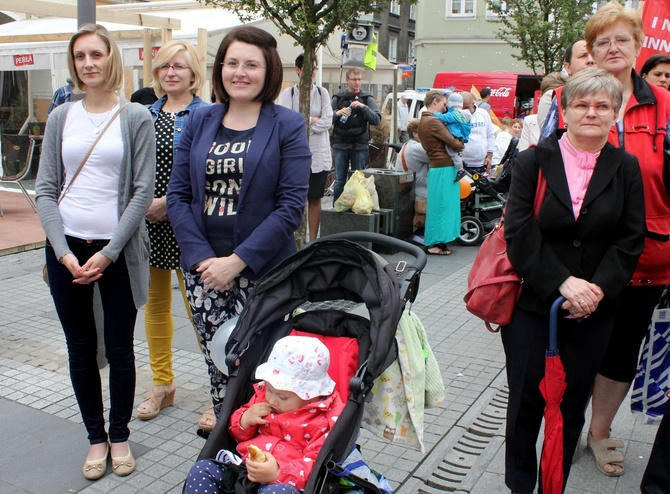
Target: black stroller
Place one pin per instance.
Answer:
(331, 268)
(480, 210)
(504, 178)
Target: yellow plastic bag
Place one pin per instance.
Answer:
(363, 204)
(368, 182)
(354, 196)
(348, 197)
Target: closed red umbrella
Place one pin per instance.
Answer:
(552, 388)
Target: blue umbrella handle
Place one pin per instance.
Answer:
(553, 324)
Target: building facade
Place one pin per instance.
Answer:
(396, 32)
(457, 35)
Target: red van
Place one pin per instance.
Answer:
(508, 90)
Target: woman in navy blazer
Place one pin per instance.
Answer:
(584, 245)
(238, 187)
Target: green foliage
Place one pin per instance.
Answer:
(540, 30)
(309, 22)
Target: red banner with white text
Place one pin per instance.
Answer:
(656, 25)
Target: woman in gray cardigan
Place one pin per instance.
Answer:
(94, 222)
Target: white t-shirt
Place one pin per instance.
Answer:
(482, 139)
(90, 208)
(502, 143)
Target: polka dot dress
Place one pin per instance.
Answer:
(164, 249)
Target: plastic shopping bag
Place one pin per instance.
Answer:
(651, 388)
(354, 196)
(368, 182)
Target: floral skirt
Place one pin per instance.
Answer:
(210, 309)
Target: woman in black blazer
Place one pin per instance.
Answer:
(583, 245)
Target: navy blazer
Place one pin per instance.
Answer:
(272, 197)
(604, 243)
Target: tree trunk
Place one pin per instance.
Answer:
(305, 86)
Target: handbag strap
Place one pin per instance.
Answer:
(540, 192)
(88, 155)
(402, 157)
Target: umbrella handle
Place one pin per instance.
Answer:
(553, 323)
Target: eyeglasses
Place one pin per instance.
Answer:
(621, 41)
(248, 67)
(601, 109)
(177, 67)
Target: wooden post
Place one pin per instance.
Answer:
(202, 52)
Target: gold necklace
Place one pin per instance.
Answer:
(96, 127)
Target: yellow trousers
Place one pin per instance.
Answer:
(159, 325)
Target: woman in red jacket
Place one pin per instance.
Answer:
(288, 418)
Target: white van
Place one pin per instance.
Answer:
(414, 104)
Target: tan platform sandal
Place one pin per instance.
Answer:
(606, 452)
(155, 402)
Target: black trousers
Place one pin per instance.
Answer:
(582, 345)
(74, 305)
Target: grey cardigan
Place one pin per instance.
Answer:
(136, 191)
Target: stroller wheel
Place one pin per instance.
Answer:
(472, 231)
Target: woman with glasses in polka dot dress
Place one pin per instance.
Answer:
(177, 76)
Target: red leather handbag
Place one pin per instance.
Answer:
(494, 287)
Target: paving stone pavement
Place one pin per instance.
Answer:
(464, 436)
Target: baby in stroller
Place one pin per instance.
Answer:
(288, 418)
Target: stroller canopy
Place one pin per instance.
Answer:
(326, 270)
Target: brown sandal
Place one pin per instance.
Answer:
(207, 420)
(155, 402)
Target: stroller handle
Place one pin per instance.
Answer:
(410, 274)
(419, 255)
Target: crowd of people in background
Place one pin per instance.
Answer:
(215, 192)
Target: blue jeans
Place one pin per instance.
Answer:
(74, 305)
(342, 158)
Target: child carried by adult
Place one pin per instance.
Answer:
(458, 123)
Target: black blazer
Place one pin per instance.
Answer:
(601, 246)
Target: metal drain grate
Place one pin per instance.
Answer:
(468, 449)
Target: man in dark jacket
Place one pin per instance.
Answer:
(354, 111)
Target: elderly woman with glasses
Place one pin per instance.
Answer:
(238, 187)
(177, 73)
(583, 244)
(614, 36)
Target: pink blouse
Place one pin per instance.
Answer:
(579, 166)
